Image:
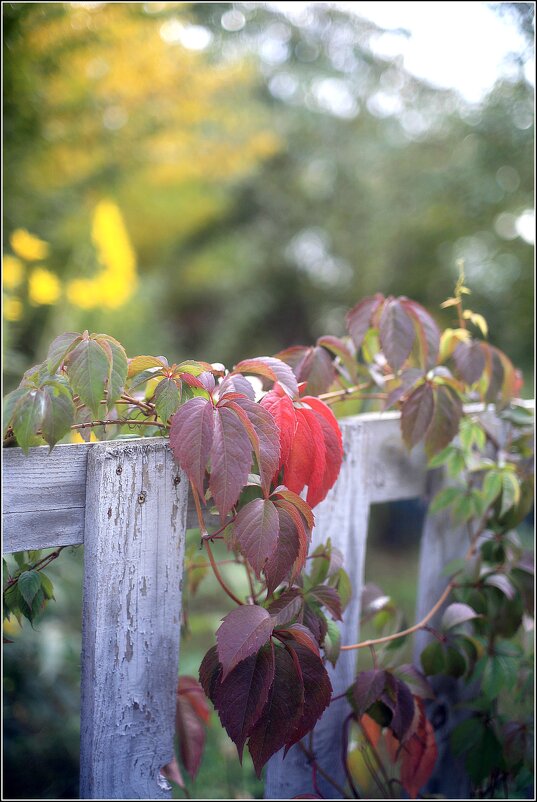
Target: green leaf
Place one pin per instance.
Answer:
(117, 375)
(27, 418)
(47, 586)
(445, 498)
(144, 363)
(29, 583)
(8, 406)
(88, 368)
(59, 413)
(467, 735)
(332, 642)
(455, 663)
(442, 457)
(167, 398)
(492, 486)
(60, 348)
(432, 658)
(510, 492)
(456, 464)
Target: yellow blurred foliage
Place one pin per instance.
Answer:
(12, 309)
(28, 246)
(12, 272)
(76, 437)
(130, 96)
(44, 287)
(116, 282)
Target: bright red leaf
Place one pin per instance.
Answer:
(282, 410)
(419, 755)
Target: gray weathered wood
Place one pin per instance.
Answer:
(44, 492)
(343, 517)
(133, 556)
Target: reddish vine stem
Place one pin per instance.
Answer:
(434, 609)
(311, 757)
(210, 555)
(44, 562)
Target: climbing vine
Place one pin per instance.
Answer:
(262, 448)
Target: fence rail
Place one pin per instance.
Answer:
(128, 503)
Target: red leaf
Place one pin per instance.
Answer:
(191, 438)
(396, 332)
(300, 634)
(271, 368)
(231, 459)
(282, 711)
(470, 361)
(333, 460)
(324, 410)
(172, 772)
(315, 482)
(240, 699)
(287, 607)
(445, 423)
(317, 691)
(419, 756)
(257, 527)
(268, 449)
(283, 411)
(372, 729)
(428, 332)
(191, 688)
(329, 598)
(417, 414)
(242, 632)
(283, 560)
(359, 318)
(191, 735)
(298, 467)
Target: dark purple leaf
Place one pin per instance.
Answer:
(403, 708)
(283, 561)
(287, 607)
(191, 734)
(271, 368)
(312, 365)
(428, 332)
(396, 332)
(359, 318)
(445, 423)
(316, 623)
(470, 361)
(317, 691)
(342, 351)
(231, 459)
(329, 597)
(282, 711)
(191, 438)
(257, 528)
(240, 699)
(301, 634)
(268, 449)
(367, 689)
(210, 672)
(417, 414)
(242, 633)
(415, 680)
(236, 383)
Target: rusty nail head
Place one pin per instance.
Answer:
(141, 497)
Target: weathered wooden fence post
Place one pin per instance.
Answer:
(376, 468)
(136, 502)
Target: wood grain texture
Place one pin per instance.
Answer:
(134, 540)
(342, 516)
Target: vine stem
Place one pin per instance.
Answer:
(44, 562)
(210, 554)
(311, 757)
(434, 609)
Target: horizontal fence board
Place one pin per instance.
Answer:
(44, 492)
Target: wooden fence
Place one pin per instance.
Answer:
(128, 503)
